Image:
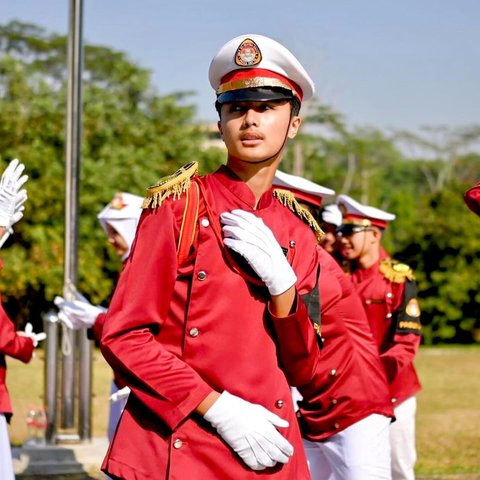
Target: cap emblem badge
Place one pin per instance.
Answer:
(248, 54)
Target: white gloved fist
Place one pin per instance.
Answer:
(250, 431)
(120, 395)
(29, 333)
(11, 197)
(247, 235)
(77, 314)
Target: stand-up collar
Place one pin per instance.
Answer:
(232, 182)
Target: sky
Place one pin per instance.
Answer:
(401, 65)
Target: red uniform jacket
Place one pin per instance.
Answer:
(15, 346)
(95, 332)
(175, 335)
(389, 313)
(350, 381)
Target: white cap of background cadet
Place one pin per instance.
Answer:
(355, 213)
(303, 189)
(122, 214)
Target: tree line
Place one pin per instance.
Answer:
(133, 135)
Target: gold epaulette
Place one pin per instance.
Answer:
(287, 198)
(395, 271)
(175, 185)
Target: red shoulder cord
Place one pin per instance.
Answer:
(188, 229)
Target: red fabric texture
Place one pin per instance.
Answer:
(472, 198)
(350, 382)
(15, 346)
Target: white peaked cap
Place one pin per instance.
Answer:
(302, 188)
(353, 210)
(332, 214)
(122, 214)
(255, 54)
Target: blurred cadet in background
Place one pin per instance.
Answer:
(119, 219)
(19, 345)
(330, 220)
(345, 410)
(389, 294)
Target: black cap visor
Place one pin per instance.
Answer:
(257, 94)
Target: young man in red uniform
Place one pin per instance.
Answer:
(18, 345)
(193, 330)
(388, 291)
(345, 412)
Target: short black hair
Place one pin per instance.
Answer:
(295, 102)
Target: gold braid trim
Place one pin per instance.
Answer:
(175, 185)
(287, 198)
(395, 271)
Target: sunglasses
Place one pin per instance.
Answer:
(348, 230)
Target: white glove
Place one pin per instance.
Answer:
(29, 333)
(250, 431)
(120, 395)
(247, 235)
(17, 215)
(11, 197)
(77, 314)
(332, 214)
(20, 199)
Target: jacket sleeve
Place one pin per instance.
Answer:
(164, 383)
(297, 338)
(95, 332)
(11, 343)
(297, 345)
(406, 331)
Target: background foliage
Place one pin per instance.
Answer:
(132, 136)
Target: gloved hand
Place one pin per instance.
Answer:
(77, 314)
(29, 333)
(11, 197)
(247, 235)
(250, 431)
(20, 199)
(120, 395)
(17, 215)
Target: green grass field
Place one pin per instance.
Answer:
(448, 418)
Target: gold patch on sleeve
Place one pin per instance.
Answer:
(413, 308)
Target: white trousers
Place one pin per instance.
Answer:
(402, 441)
(360, 452)
(6, 464)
